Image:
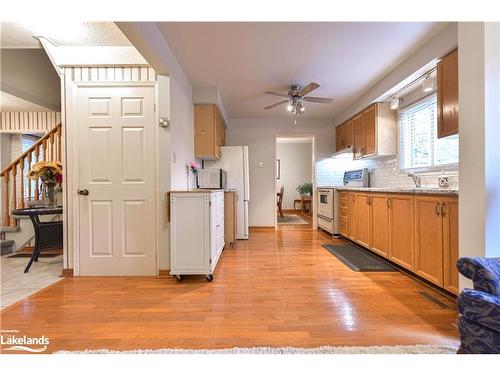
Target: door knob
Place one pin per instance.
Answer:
(83, 192)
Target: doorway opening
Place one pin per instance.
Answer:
(294, 180)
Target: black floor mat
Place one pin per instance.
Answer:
(359, 259)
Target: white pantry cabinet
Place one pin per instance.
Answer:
(196, 232)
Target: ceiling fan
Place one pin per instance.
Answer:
(296, 95)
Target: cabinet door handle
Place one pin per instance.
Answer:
(443, 212)
(388, 202)
(437, 209)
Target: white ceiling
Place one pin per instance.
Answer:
(11, 103)
(246, 59)
(63, 33)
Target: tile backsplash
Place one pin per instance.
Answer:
(384, 172)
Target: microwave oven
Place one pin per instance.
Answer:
(212, 178)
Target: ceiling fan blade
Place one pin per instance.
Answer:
(276, 104)
(315, 99)
(310, 87)
(276, 94)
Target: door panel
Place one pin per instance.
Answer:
(401, 245)
(363, 218)
(429, 239)
(359, 135)
(352, 216)
(447, 77)
(117, 218)
(380, 224)
(369, 116)
(450, 244)
(349, 133)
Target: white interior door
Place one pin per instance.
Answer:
(116, 165)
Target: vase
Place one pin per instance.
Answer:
(49, 195)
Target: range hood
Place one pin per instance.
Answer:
(345, 153)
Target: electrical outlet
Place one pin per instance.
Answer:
(261, 164)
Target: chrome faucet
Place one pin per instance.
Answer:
(416, 180)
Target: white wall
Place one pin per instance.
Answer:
(259, 135)
(29, 74)
(296, 169)
(479, 118)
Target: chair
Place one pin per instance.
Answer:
(479, 321)
(280, 201)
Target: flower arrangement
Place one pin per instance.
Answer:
(50, 173)
(194, 167)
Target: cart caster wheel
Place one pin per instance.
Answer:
(178, 277)
(210, 277)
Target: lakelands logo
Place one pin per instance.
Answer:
(16, 342)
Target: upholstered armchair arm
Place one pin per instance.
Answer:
(484, 273)
(481, 308)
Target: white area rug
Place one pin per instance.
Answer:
(397, 349)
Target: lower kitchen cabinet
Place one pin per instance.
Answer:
(363, 219)
(380, 223)
(418, 232)
(429, 239)
(352, 217)
(230, 218)
(449, 211)
(343, 214)
(401, 244)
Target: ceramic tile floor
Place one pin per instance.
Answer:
(16, 285)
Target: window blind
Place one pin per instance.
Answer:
(419, 146)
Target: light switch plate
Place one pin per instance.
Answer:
(261, 164)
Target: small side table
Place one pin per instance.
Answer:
(48, 234)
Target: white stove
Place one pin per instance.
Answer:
(328, 199)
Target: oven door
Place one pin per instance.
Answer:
(325, 203)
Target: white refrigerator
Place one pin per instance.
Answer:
(234, 161)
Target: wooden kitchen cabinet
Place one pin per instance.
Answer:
(429, 239)
(401, 218)
(375, 131)
(449, 212)
(230, 217)
(363, 218)
(352, 217)
(447, 95)
(343, 214)
(380, 223)
(209, 131)
(344, 135)
(418, 232)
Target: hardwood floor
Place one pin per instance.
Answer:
(276, 289)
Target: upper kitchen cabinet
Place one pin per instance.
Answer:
(344, 135)
(447, 95)
(375, 131)
(209, 131)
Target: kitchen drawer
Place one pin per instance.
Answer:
(326, 224)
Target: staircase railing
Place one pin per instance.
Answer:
(20, 191)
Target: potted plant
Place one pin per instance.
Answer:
(50, 173)
(305, 189)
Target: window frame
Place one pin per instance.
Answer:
(428, 169)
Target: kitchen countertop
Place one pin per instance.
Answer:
(403, 190)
